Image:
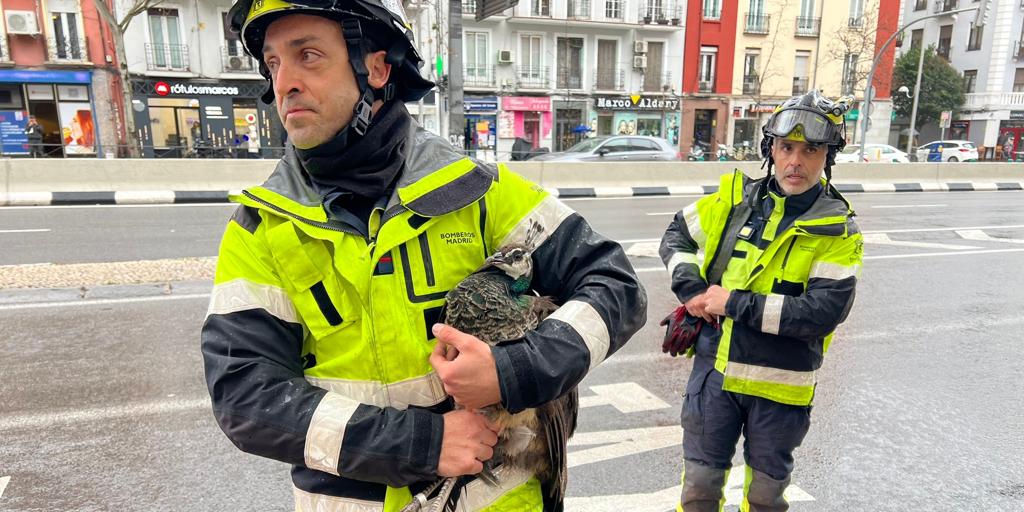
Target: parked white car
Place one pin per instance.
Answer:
(872, 153)
(951, 151)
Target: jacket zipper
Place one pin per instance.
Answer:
(278, 209)
(428, 262)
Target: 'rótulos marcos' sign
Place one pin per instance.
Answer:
(636, 102)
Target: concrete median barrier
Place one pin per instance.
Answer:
(138, 181)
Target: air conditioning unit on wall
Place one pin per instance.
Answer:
(504, 56)
(640, 61)
(235, 63)
(640, 47)
(21, 22)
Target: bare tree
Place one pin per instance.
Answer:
(854, 46)
(118, 29)
(765, 71)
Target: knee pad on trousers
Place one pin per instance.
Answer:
(703, 487)
(764, 494)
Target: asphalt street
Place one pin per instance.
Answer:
(103, 405)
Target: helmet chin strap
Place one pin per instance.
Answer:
(357, 51)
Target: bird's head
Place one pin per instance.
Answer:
(514, 260)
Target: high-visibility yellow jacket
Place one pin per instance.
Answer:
(788, 292)
(317, 338)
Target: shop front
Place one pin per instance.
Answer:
(225, 119)
(1010, 143)
(704, 121)
(481, 134)
(527, 118)
(62, 104)
(638, 115)
(747, 120)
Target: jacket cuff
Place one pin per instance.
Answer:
(513, 366)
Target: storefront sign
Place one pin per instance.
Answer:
(526, 103)
(12, 132)
(1017, 114)
(762, 109)
(165, 89)
(45, 77)
(480, 104)
(636, 103)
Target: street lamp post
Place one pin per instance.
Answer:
(917, 93)
(868, 91)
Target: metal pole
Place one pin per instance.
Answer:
(868, 95)
(917, 92)
(456, 117)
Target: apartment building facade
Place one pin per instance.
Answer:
(787, 48)
(193, 86)
(991, 59)
(56, 63)
(553, 72)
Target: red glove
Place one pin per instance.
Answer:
(682, 331)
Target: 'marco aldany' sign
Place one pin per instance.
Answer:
(637, 103)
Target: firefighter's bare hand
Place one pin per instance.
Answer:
(468, 442)
(715, 299)
(697, 306)
(471, 376)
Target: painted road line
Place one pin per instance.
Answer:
(4, 231)
(101, 302)
(74, 206)
(977, 234)
(883, 239)
(910, 206)
(928, 230)
(637, 241)
(660, 213)
(75, 416)
(3, 484)
(622, 443)
(627, 397)
(667, 499)
(644, 249)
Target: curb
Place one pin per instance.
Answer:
(221, 196)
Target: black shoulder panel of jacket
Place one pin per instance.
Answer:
(458, 194)
(247, 217)
(254, 374)
(574, 263)
(391, 447)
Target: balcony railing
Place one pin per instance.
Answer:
(943, 49)
(567, 79)
(757, 24)
(236, 61)
(610, 80)
(660, 82)
(468, 6)
(533, 77)
(994, 101)
(478, 76)
(751, 84)
(800, 85)
(856, 22)
(808, 27)
(660, 14)
(173, 57)
(578, 9)
(706, 86)
(848, 86)
(1018, 50)
(540, 8)
(945, 6)
(64, 49)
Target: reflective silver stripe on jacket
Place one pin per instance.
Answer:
(771, 317)
(326, 431)
(242, 295)
(692, 218)
(587, 322)
(550, 214)
(309, 502)
(826, 270)
(679, 258)
(422, 391)
(751, 372)
(477, 495)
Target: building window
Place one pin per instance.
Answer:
(945, 41)
(856, 14)
(920, 5)
(706, 73)
(916, 38)
(233, 57)
(1018, 80)
(613, 9)
(751, 80)
(477, 70)
(532, 73)
(607, 56)
(849, 73)
(540, 8)
(165, 50)
(800, 80)
(974, 40)
(570, 63)
(66, 42)
(654, 80)
(712, 9)
(970, 79)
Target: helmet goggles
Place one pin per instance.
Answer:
(804, 124)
